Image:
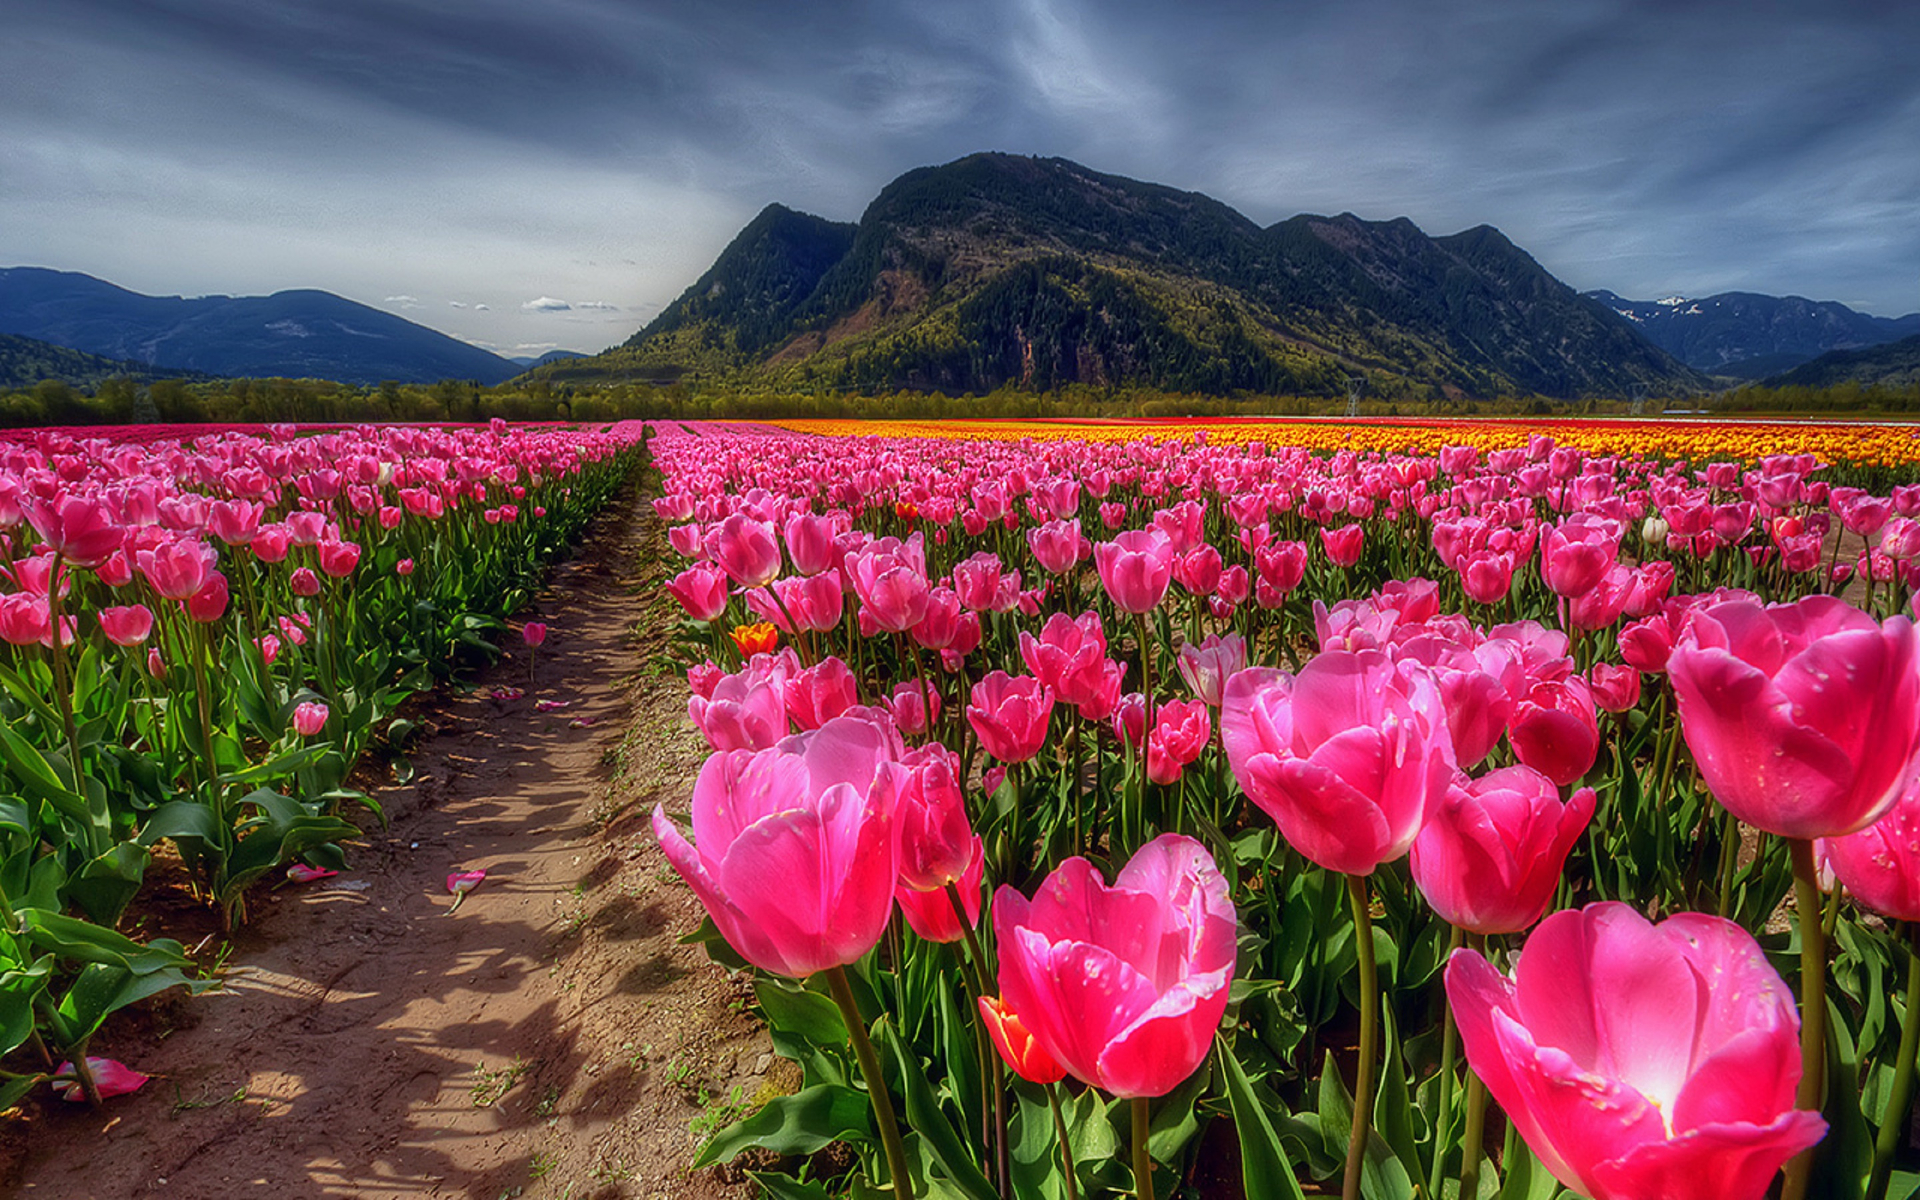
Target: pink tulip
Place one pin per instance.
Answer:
(1487, 577)
(110, 1077)
(1645, 644)
(1615, 688)
(1347, 757)
(128, 625)
(81, 529)
(1009, 715)
(701, 589)
(179, 568)
(1576, 554)
(936, 839)
(1208, 666)
(534, 633)
(1124, 986)
(702, 678)
(303, 582)
(234, 521)
(745, 549)
(309, 718)
(302, 873)
(1198, 570)
(1489, 857)
(810, 543)
(1802, 717)
(820, 693)
(209, 604)
(306, 528)
(1135, 568)
(941, 623)
(930, 913)
(890, 577)
(338, 559)
(1343, 545)
(747, 710)
(1281, 565)
(977, 582)
(1555, 729)
(907, 705)
(1476, 701)
(1881, 864)
(1640, 1060)
(403, 567)
(1059, 546)
(1181, 729)
(796, 850)
(1069, 656)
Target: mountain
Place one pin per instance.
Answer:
(1748, 335)
(527, 360)
(997, 270)
(1894, 364)
(297, 334)
(25, 361)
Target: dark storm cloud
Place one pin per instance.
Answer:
(1645, 147)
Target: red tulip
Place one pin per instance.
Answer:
(1023, 1055)
(1802, 717)
(795, 850)
(1343, 545)
(1124, 985)
(1640, 1060)
(129, 625)
(1181, 729)
(1489, 857)
(1347, 757)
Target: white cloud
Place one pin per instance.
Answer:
(482, 308)
(457, 303)
(404, 301)
(599, 306)
(546, 304)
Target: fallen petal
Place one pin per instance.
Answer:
(550, 705)
(462, 882)
(112, 1078)
(302, 873)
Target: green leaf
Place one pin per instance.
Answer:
(38, 777)
(794, 1010)
(798, 1124)
(76, 940)
(1264, 1169)
(926, 1119)
(1392, 1107)
(183, 820)
(107, 884)
(786, 1187)
(101, 990)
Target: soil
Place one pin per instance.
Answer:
(551, 1038)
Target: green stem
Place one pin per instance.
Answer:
(1471, 1137)
(1060, 1132)
(99, 820)
(1449, 1055)
(1893, 1123)
(876, 1083)
(1142, 1161)
(1729, 856)
(1369, 1037)
(1813, 1005)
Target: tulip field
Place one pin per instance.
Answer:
(1278, 808)
(203, 632)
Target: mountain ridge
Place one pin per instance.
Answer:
(298, 332)
(1750, 335)
(998, 270)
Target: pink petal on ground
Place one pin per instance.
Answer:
(112, 1078)
(465, 881)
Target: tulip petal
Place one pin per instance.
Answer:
(1167, 1042)
(1713, 1162)
(1326, 819)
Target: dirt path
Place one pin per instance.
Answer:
(549, 1039)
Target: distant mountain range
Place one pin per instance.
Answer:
(1750, 336)
(1894, 364)
(26, 361)
(298, 334)
(997, 270)
(527, 360)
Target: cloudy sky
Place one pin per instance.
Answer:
(528, 174)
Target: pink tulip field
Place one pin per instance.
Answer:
(203, 631)
(1157, 817)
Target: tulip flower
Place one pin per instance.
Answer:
(338, 559)
(1880, 865)
(1489, 857)
(1615, 688)
(1343, 545)
(111, 1078)
(907, 704)
(1577, 553)
(1068, 656)
(753, 640)
(930, 913)
(1208, 666)
(1555, 729)
(745, 549)
(1123, 985)
(818, 694)
(1009, 714)
(1640, 1060)
(209, 604)
(1348, 757)
(1804, 718)
(303, 582)
(1180, 733)
(890, 577)
(747, 710)
(796, 852)
(1018, 1048)
(1135, 568)
(809, 542)
(309, 718)
(1058, 546)
(302, 873)
(462, 882)
(127, 625)
(701, 589)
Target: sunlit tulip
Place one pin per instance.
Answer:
(1207, 667)
(1880, 865)
(1009, 715)
(795, 852)
(1489, 857)
(1347, 757)
(80, 528)
(1181, 729)
(1123, 985)
(1135, 568)
(819, 693)
(309, 718)
(1343, 545)
(1640, 1060)
(1555, 729)
(1023, 1055)
(745, 549)
(747, 710)
(930, 913)
(1058, 546)
(701, 589)
(127, 625)
(1803, 717)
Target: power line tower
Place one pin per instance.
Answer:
(1355, 385)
